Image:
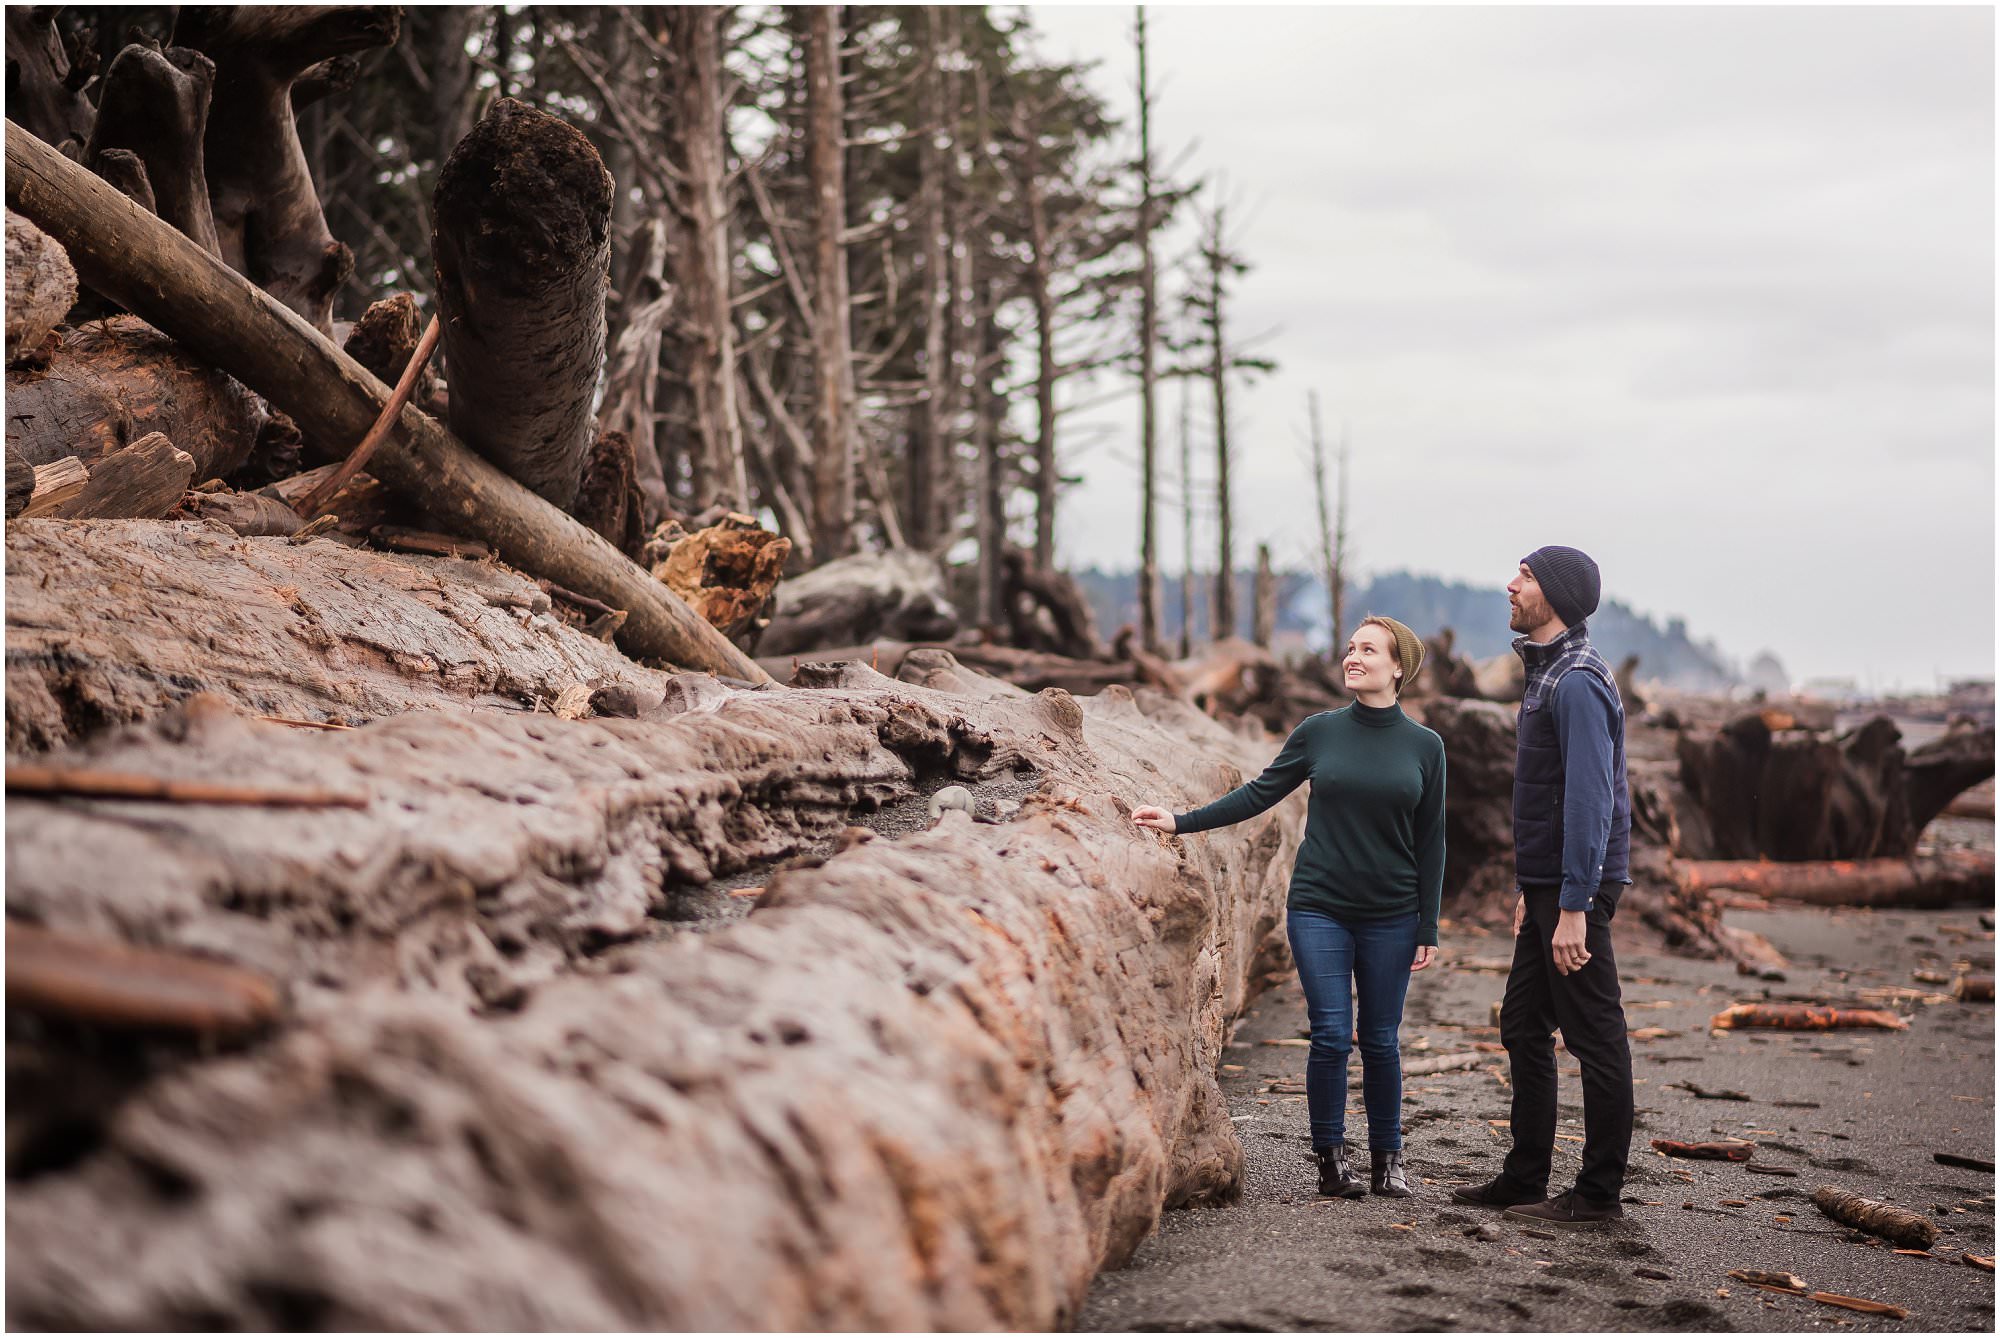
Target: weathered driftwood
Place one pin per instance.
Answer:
(385, 339)
(1046, 610)
(1730, 1149)
(1886, 1220)
(1804, 1017)
(250, 514)
(608, 500)
(1947, 878)
(268, 219)
(110, 622)
(726, 571)
(155, 106)
(20, 481)
(899, 594)
(314, 502)
(41, 286)
(111, 382)
(935, 1082)
(44, 92)
(142, 481)
(1769, 789)
(132, 257)
(521, 236)
(56, 484)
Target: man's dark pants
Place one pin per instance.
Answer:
(1586, 1007)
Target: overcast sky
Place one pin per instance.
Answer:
(1706, 292)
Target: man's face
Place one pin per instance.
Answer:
(1528, 608)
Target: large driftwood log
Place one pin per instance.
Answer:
(155, 107)
(726, 571)
(111, 382)
(267, 213)
(20, 481)
(1768, 790)
(131, 256)
(110, 622)
(41, 287)
(935, 1082)
(1948, 878)
(899, 594)
(1046, 610)
(521, 236)
(44, 91)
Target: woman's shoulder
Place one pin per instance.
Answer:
(1427, 738)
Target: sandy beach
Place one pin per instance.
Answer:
(1862, 1110)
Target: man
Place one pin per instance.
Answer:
(1572, 840)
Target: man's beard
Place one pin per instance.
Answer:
(1527, 617)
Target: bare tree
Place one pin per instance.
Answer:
(1149, 316)
(833, 354)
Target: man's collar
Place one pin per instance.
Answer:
(1542, 652)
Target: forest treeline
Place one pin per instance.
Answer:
(862, 257)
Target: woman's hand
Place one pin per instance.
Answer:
(1146, 815)
(1426, 954)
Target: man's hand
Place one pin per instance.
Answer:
(1567, 945)
(1520, 911)
(1426, 952)
(1146, 815)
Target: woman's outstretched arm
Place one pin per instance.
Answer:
(1287, 771)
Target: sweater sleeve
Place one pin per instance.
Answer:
(1291, 766)
(1430, 849)
(1584, 720)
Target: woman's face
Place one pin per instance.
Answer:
(1370, 663)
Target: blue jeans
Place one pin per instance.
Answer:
(1339, 960)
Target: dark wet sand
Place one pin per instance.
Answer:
(1283, 1259)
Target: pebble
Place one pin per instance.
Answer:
(1484, 1231)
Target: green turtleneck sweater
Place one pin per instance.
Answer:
(1374, 842)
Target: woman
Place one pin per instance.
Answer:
(1363, 909)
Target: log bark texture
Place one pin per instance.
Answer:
(41, 287)
(521, 236)
(131, 256)
(934, 1082)
(1897, 1225)
(111, 382)
(111, 622)
(143, 481)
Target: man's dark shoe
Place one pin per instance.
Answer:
(1568, 1210)
(1386, 1177)
(1337, 1179)
(1499, 1192)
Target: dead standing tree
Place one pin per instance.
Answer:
(522, 245)
(834, 439)
(1149, 321)
(267, 213)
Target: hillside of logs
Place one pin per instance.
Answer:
(562, 911)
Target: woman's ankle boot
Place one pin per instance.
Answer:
(1385, 1171)
(1337, 1179)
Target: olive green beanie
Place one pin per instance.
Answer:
(1409, 648)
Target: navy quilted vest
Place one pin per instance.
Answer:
(1538, 763)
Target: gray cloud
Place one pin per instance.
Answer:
(1709, 289)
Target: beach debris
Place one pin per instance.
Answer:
(1656, 1274)
(1300, 1041)
(1984, 1261)
(1538, 1233)
(1861, 1304)
(1951, 877)
(1924, 977)
(1971, 988)
(1728, 1149)
(1899, 1226)
(1417, 1068)
(1711, 1093)
(1804, 1017)
(1485, 1231)
(1651, 1033)
(1770, 1281)
(1969, 1163)
(1762, 1168)
(111, 984)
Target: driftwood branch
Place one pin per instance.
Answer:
(130, 255)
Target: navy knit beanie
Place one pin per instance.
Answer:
(1569, 579)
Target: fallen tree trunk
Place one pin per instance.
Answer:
(41, 287)
(899, 595)
(985, 1067)
(132, 257)
(113, 622)
(1948, 878)
(111, 382)
(521, 236)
